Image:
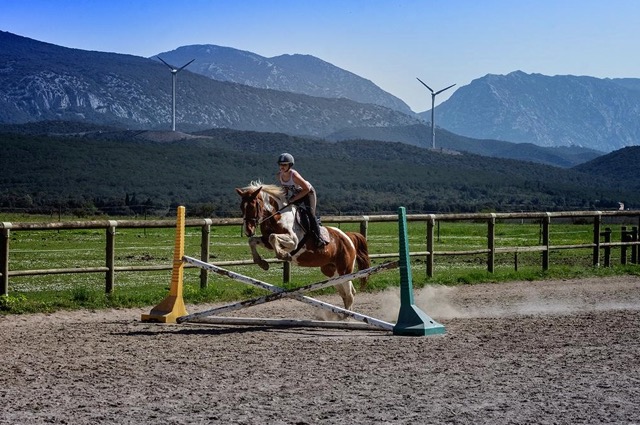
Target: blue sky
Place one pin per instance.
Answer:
(389, 42)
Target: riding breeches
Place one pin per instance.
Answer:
(309, 201)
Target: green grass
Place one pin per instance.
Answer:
(86, 248)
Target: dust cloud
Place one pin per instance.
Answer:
(458, 302)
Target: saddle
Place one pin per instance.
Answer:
(312, 228)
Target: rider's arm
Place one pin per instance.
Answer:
(305, 186)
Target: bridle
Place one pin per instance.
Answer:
(258, 218)
(253, 221)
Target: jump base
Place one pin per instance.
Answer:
(285, 323)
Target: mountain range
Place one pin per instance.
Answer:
(548, 111)
(564, 110)
(303, 95)
(296, 73)
(41, 81)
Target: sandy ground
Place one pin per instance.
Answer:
(562, 352)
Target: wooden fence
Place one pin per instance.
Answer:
(601, 245)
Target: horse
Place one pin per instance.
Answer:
(263, 206)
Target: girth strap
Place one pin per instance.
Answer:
(300, 244)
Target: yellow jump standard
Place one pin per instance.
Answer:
(172, 306)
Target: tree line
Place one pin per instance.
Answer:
(125, 173)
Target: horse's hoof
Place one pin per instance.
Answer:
(263, 265)
(284, 256)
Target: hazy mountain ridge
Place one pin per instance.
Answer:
(600, 114)
(420, 135)
(296, 73)
(41, 81)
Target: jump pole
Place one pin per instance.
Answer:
(279, 293)
(411, 320)
(173, 306)
(286, 323)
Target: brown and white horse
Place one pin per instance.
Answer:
(281, 232)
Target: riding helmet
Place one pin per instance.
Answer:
(286, 158)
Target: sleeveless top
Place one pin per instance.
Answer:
(290, 187)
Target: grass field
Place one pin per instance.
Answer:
(49, 249)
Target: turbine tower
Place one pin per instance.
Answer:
(174, 75)
(433, 101)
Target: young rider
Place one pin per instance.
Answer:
(299, 191)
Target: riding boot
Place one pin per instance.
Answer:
(315, 229)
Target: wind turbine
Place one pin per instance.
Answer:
(433, 101)
(174, 75)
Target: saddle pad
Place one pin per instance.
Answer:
(324, 233)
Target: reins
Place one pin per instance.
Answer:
(259, 211)
(275, 213)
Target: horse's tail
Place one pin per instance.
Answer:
(362, 254)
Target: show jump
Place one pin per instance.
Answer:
(412, 321)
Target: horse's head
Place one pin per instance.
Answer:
(251, 206)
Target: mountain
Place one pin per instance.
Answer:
(297, 73)
(41, 81)
(420, 135)
(599, 114)
(124, 171)
(630, 83)
(44, 82)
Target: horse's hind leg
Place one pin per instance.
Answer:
(346, 290)
(347, 293)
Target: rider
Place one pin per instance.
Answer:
(299, 191)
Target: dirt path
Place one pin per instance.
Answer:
(543, 352)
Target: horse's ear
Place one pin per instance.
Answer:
(254, 194)
(240, 192)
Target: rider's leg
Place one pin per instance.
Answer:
(310, 201)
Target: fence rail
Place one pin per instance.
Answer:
(601, 244)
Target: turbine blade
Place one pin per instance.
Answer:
(425, 84)
(184, 66)
(446, 88)
(165, 63)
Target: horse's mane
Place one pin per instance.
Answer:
(268, 189)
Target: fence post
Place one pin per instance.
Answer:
(491, 243)
(624, 237)
(431, 223)
(546, 242)
(205, 240)
(597, 219)
(607, 249)
(4, 259)
(286, 272)
(110, 256)
(364, 226)
(634, 248)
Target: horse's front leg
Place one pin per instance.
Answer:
(254, 241)
(283, 244)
